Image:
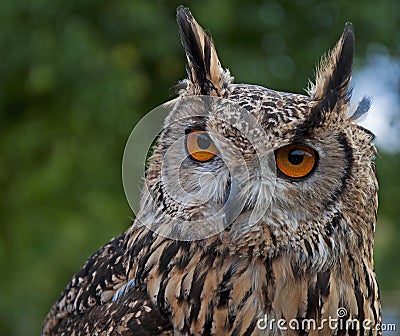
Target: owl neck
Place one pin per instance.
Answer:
(309, 245)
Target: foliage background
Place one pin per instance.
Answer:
(75, 77)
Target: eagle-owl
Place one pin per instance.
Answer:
(273, 224)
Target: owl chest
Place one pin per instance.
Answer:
(209, 294)
(213, 295)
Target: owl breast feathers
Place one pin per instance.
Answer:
(259, 206)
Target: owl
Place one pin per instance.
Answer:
(257, 215)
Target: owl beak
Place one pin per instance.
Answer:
(233, 206)
(253, 197)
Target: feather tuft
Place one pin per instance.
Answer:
(206, 75)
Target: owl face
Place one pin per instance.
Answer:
(238, 158)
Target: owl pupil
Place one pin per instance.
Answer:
(203, 141)
(296, 156)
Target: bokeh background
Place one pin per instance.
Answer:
(76, 76)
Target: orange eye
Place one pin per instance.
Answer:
(295, 161)
(200, 146)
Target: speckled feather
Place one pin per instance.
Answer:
(311, 254)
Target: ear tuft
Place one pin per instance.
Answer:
(334, 74)
(206, 75)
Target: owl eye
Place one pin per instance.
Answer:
(200, 146)
(296, 161)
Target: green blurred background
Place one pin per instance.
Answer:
(75, 77)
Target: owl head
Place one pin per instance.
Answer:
(260, 171)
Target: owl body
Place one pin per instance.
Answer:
(277, 240)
